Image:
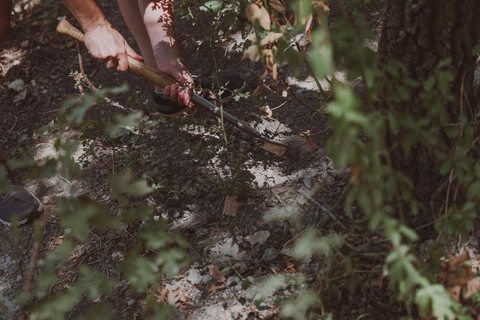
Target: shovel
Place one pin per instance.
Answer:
(161, 79)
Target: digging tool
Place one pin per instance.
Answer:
(159, 78)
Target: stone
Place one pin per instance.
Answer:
(194, 276)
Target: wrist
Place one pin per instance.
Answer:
(94, 24)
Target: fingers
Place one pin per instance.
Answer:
(132, 53)
(122, 64)
(109, 46)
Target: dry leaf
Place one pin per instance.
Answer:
(252, 53)
(267, 110)
(163, 296)
(290, 268)
(310, 143)
(231, 207)
(257, 90)
(274, 148)
(255, 12)
(456, 261)
(176, 297)
(58, 240)
(275, 72)
(216, 274)
(355, 171)
(259, 237)
(455, 292)
(271, 38)
(278, 6)
(214, 287)
(473, 286)
(321, 6)
(19, 97)
(308, 22)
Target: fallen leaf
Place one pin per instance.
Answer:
(231, 207)
(455, 292)
(162, 297)
(305, 133)
(456, 261)
(275, 72)
(267, 110)
(355, 171)
(278, 6)
(252, 53)
(214, 287)
(17, 85)
(176, 297)
(58, 240)
(310, 143)
(259, 237)
(473, 286)
(255, 12)
(290, 268)
(228, 250)
(19, 97)
(257, 90)
(308, 23)
(274, 148)
(216, 274)
(271, 38)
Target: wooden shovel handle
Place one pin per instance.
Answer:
(151, 74)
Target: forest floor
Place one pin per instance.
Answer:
(175, 155)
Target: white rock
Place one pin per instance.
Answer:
(17, 85)
(194, 276)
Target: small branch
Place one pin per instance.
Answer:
(322, 207)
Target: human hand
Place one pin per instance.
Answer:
(108, 46)
(181, 95)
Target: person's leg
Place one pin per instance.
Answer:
(134, 20)
(5, 12)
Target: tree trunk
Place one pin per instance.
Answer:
(420, 34)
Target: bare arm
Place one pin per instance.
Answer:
(101, 39)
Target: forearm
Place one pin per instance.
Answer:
(87, 13)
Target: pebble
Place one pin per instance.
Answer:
(207, 278)
(233, 281)
(194, 276)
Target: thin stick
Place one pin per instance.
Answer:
(323, 209)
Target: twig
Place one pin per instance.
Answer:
(28, 285)
(323, 209)
(16, 120)
(298, 99)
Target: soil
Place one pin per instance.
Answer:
(176, 154)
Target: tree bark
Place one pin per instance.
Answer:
(420, 34)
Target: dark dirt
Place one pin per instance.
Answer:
(194, 178)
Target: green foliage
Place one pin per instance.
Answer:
(395, 118)
(82, 217)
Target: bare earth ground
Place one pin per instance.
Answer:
(193, 202)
